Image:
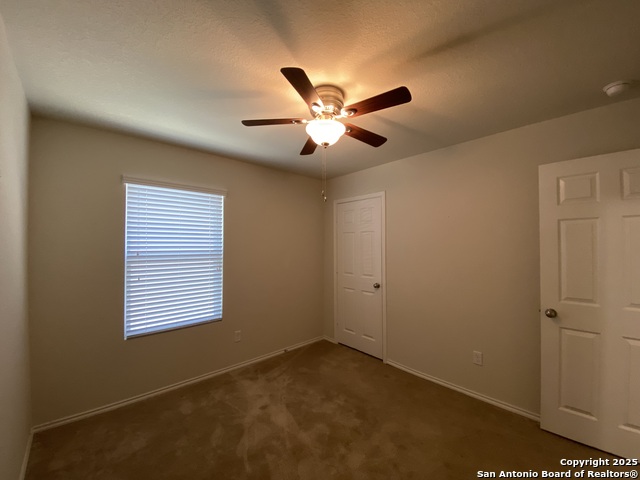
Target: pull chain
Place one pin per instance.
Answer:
(324, 174)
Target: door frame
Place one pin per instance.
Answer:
(383, 270)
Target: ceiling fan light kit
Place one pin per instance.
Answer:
(326, 104)
(325, 130)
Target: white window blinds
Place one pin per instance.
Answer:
(173, 258)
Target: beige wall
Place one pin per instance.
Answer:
(272, 277)
(462, 249)
(15, 404)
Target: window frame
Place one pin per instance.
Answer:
(213, 260)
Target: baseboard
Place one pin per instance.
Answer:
(25, 459)
(159, 391)
(471, 393)
(330, 339)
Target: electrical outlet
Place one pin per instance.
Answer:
(477, 357)
(237, 336)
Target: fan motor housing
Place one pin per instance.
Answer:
(332, 98)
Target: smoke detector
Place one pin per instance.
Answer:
(616, 88)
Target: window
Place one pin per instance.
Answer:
(173, 257)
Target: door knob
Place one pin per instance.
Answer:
(376, 285)
(551, 313)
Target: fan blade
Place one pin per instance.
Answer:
(309, 147)
(273, 121)
(394, 97)
(299, 80)
(363, 135)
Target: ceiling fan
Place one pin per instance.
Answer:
(326, 104)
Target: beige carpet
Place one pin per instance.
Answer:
(320, 412)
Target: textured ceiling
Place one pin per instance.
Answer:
(188, 71)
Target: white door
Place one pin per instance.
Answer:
(359, 286)
(590, 277)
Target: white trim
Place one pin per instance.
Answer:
(330, 339)
(168, 388)
(383, 271)
(25, 459)
(470, 393)
(191, 188)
